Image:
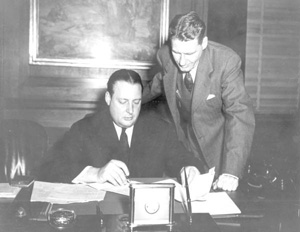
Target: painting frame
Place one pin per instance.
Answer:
(59, 36)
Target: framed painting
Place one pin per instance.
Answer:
(97, 33)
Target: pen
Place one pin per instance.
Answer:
(188, 197)
(99, 215)
(245, 216)
(128, 179)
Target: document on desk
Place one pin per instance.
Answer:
(199, 187)
(58, 193)
(216, 203)
(123, 190)
(8, 191)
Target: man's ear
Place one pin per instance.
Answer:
(107, 98)
(204, 42)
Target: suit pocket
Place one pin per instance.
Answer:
(214, 102)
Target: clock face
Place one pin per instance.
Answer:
(152, 207)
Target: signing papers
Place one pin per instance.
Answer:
(203, 201)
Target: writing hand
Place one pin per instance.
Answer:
(115, 172)
(191, 172)
(226, 182)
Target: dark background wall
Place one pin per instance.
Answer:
(227, 24)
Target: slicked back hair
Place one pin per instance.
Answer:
(126, 75)
(187, 27)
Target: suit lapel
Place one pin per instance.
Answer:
(110, 136)
(202, 81)
(170, 80)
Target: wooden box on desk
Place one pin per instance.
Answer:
(151, 204)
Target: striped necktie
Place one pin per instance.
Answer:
(188, 82)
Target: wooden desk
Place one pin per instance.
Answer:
(114, 207)
(280, 215)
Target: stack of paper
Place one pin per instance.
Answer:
(7, 191)
(58, 193)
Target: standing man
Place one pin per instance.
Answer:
(204, 87)
(118, 141)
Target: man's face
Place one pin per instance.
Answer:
(125, 103)
(187, 53)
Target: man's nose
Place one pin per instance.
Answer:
(182, 60)
(130, 108)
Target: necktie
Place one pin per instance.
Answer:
(188, 82)
(124, 140)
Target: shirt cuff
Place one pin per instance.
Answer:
(227, 174)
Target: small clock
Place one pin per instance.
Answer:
(152, 207)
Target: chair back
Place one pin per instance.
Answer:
(23, 144)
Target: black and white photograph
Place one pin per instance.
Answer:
(149, 115)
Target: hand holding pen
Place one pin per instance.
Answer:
(115, 171)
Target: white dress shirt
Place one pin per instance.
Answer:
(128, 132)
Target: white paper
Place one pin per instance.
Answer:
(124, 189)
(7, 191)
(216, 203)
(58, 193)
(199, 187)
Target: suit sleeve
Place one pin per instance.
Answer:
(178, 156)
(239, 119)
(154, 88)
(66, 159)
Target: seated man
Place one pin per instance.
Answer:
(93, 150)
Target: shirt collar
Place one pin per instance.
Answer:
(193, 72)
(128, 132)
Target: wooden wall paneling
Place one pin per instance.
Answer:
(11, 47)
(1, 58)
(227, 24)
(184, 6)
(179, 7)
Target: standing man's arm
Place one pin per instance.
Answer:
(153, 89)
(239, 125)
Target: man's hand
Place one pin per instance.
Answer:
(115, 172)
(191, 172)
(226, 182)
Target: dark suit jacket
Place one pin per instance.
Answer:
(155, 149)
(222, 114)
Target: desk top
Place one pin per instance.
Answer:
(280, 214)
